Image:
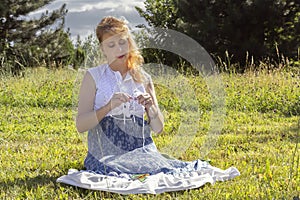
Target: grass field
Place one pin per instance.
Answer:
(260, 136)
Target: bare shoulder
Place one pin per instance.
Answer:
(147, 79)
(88, 81)
(93, 74)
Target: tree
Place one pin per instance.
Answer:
(161, 14)
(256, 27)
(28, 43)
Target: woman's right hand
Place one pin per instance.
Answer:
(118, 98)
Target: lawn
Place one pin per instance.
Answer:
(260, 134)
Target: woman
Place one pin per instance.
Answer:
(108, 91)
(113, 100)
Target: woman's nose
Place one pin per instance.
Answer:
(120, 48)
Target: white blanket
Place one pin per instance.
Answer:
(154, 184)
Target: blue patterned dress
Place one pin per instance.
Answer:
(122, 142)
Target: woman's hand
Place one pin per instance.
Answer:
(146, 100)
(118, 98)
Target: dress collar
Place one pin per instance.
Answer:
(118, 75)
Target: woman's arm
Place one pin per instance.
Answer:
(154, 115)
(87, 117)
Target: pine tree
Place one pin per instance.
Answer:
(241, 27)
(28, 43)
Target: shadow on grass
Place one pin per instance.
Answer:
(28, 182)
(292, 133)
(288, 134)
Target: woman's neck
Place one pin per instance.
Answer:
(122, 69)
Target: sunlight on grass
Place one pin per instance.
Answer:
(39, 142)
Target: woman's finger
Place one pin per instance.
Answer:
(143, 98)
(123, 97)
(119, 98)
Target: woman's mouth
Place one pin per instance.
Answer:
(120, 57)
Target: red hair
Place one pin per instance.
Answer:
(114, 25)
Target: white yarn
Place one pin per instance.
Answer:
(104, 78)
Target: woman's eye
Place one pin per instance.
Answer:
(122, 41)
(111, 44)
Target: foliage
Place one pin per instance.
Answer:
(253, 28)
(88, 52)
(160, 14)
(39, 143)
(79, 55)
(32, 42)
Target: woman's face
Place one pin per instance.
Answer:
(115, 48)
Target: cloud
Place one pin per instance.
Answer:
(84, 15)
(109, 5)
(84, 6)
(84, 23)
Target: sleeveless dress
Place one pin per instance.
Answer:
(122, 142)
(122, 157)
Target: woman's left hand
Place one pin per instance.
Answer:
(146, 100)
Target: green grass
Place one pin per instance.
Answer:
(260, 135)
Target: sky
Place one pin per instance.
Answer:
(84, 15)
